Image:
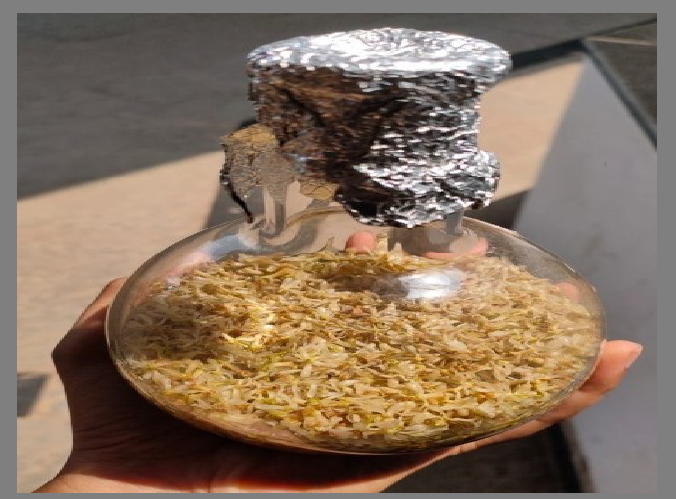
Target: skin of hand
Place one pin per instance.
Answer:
(122, 443)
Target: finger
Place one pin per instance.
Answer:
(569, 290)
(101, 301)
(480, 248)
(361, 242)
(616, 357)
(82, 343)
(192, 261)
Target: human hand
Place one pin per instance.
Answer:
(121, 443)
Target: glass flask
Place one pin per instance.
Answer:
(316, 323)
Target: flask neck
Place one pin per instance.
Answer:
(282, 203)
(279, 211)
(442, 237)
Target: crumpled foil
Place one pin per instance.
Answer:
(389, 116)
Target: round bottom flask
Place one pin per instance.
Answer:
(329, 335)
(354, 310)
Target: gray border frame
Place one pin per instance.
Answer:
(8, 47)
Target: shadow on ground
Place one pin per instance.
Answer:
(28, 388)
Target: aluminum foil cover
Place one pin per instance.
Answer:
(389, 116)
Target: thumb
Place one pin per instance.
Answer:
(85, 342)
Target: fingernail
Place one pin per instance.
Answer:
(633, 356)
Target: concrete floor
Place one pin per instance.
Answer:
(117, 161)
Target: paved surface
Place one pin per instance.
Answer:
(118, 158)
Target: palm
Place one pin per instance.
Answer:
(126, 438)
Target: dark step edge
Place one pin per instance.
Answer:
(624, 93)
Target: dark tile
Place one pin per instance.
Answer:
(27, 391)
(641, 34)
(633, 70)
(532, 464)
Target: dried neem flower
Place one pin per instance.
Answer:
(376, 352)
